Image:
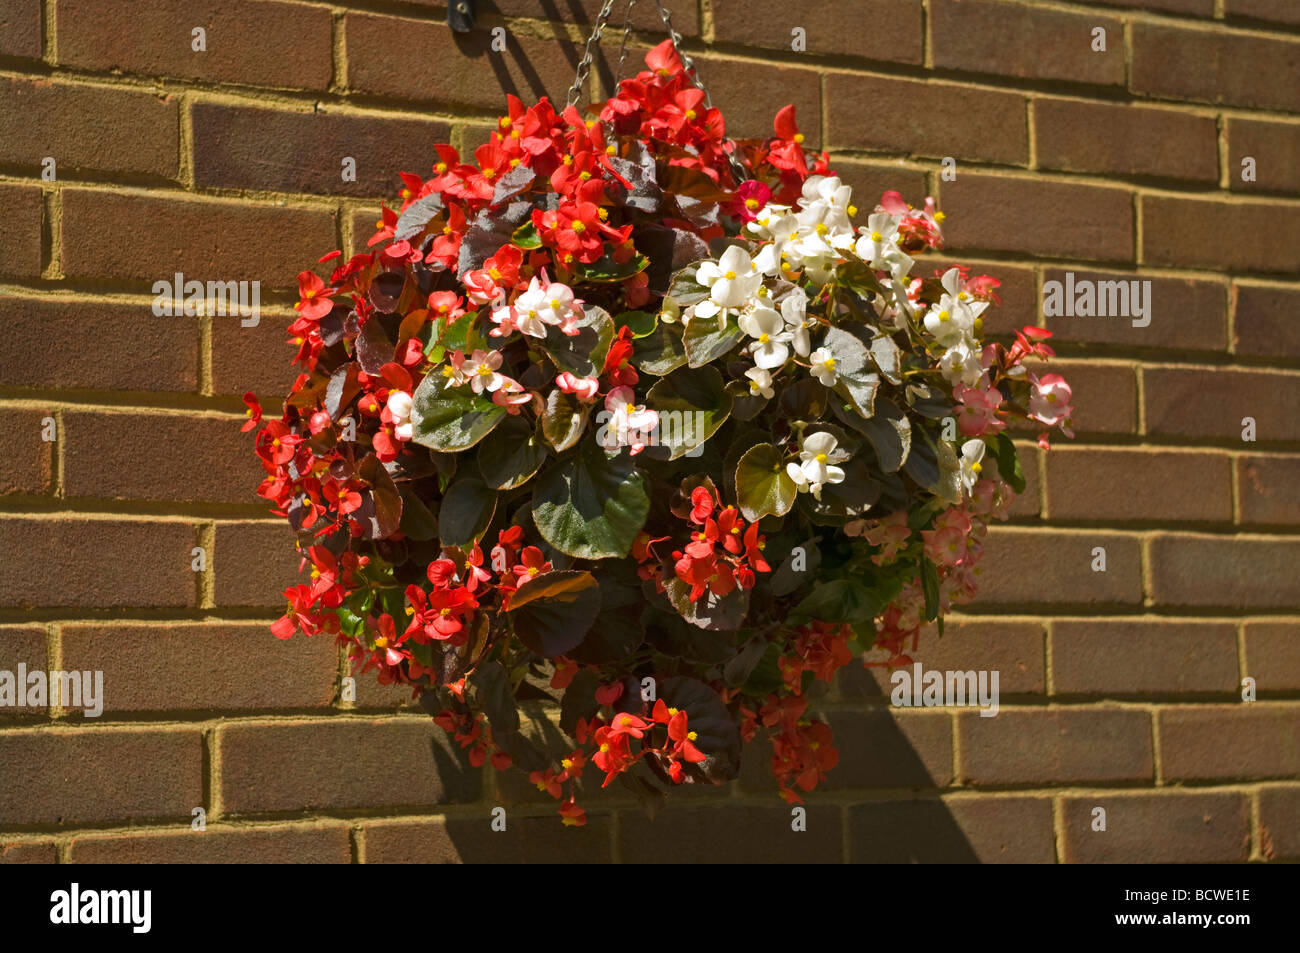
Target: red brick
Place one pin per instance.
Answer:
(645, 17)
(361, 227)
(1012, 40)
(1266, 489)
(160, 354)
(953, 830)
(254, 359)
(20, 28)
(1215, 66)
(1054, 746)
(1012, 649)
(116, 456)
(1201, 8)
(872, 29)
(462, 840)
(20, 230)
(1263, 322)
(96, 563)
(213, 667)
(1187, 233)
(280, 845)
(871, 180)
(1279, 822)
(1081, 484)
(255, 43)
(22, 645)
(88, 128)
(1163, 828)
(340, 764)
(1274, 146)
(1262, 10)
(27, 464)
(1022, 567)
(1105, 396)
(29, 852)
(223, 240)
(240, 147)
(98, 775)
(749, 95)
(1185, 314)
(254, 562)
(1213, 401)
(1224, 571)
(453, 69)
(1220, 742)
(1125, 140)
(1273, 655)
(1054, 219)
(1121, 657)
(740, 834)
(926, 119)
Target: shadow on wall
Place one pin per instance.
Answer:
(849, 817)
(476, 47)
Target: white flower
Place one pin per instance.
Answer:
(763, 227)
(972, 452)
(794, 308)
(878, 245)
(816, 467)
(482, 372)
(823, 366)
(760, 382)
(961, 363)
(732, 280)
(532, 310)
(765, 325)
(399, 409)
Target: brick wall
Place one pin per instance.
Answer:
(1121, 689)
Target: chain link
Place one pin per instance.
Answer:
(593, 41)
(622, 49)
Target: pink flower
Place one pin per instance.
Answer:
(630, 423)
(482, 371)
(1049, 399)
(481, 288)
(511, 394)
(584, 387)
(978, 411)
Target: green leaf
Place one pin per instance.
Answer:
(591, 505)
(525, 236)
(496, 697)
(1009, 463)
(584, 353)
(840, 600)
(380, 513)
(451, 418)
(858, 380)
(704, 342)
(512, 456)
(766, 676)
(692, 404)
(466, 512)
(605, 270)
(930, 585)
(684, 288)
(564, 418)
(716, 734)
(888, 358)
(641, 323)
(418, 522)
(890, 433)
(553, 612)
(763, 488)
(579, 700)
(660, 352)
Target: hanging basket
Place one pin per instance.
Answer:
(648, 426)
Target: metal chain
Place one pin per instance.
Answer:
(622, 49)
(593, 41)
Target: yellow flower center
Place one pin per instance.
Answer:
(821, 458)
(764, 338)
(730, 276)
(798, 138)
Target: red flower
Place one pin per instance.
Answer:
(254, 412)
(532, 563)
(316, 297)
(573, 815)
